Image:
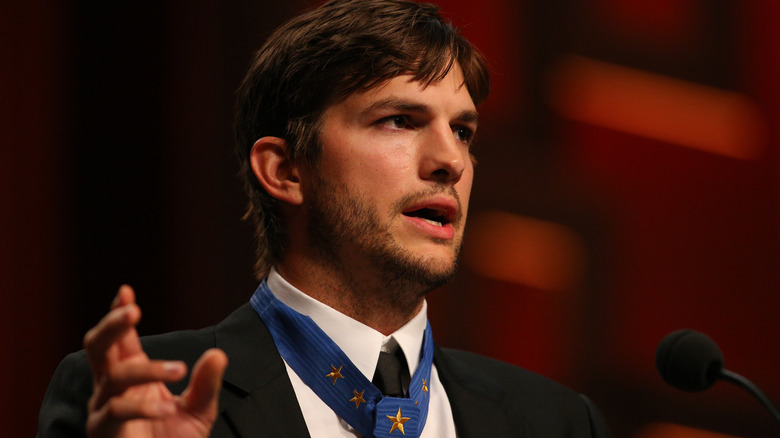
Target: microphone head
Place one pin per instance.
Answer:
(689, 360)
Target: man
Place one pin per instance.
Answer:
(354, 125)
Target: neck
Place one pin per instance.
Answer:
(367, 298)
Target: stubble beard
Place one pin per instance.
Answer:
(338, 218)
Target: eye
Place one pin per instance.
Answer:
(463, 134)
(396, 122)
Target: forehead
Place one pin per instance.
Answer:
(449, 95)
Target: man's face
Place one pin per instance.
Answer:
(392, 186)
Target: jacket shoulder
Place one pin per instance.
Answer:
(184, 345)
(489, 373)
(526, 400)
(63, 411)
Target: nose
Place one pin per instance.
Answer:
(443, 158)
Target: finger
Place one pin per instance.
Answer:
(124, 296)
(202, 395)
(109, 418)
(108, 332)
(127, 374)
(129, 344)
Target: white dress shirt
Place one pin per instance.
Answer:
(362, 345)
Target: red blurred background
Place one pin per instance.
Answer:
(627, 187)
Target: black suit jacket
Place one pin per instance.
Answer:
(488, 398)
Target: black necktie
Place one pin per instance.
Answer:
(391, 372)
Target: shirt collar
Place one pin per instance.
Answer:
(359, 342)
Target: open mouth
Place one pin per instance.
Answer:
(429, 215)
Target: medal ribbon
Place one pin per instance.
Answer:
(327, 370)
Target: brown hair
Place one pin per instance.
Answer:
(324, 55)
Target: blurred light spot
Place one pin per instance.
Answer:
(659, 107)
(525, 251)
(668, 430)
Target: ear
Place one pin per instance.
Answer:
(272, 167)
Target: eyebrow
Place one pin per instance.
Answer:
(406, 105)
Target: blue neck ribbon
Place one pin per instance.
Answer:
(327, 370)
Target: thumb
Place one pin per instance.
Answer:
(202, 394)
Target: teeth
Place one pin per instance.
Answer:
(432, 222)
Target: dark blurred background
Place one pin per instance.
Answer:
(627, 187)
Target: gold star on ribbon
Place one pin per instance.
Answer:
(335, 373)
(425, 387)
(358, 398)
(398, 422)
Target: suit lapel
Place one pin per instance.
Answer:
(476, 409)
(257, 398)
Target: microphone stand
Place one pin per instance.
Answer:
(748, 386)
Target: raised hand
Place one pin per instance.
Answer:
(130, 398)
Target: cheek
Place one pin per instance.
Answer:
(463, 187)
(381, 167)
(372, 155)
(372, 176)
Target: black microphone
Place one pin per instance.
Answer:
(691, 361)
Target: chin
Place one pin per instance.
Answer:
(419, 274)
